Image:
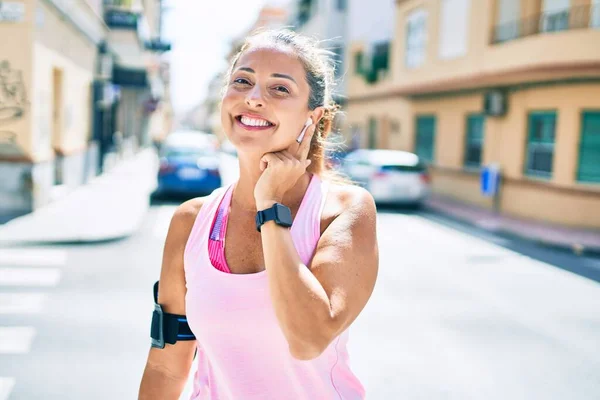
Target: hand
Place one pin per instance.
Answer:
(281, 170)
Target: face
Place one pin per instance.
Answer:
(265, 105)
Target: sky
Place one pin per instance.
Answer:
(201, 32)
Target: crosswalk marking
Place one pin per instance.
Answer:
(24, 269)
(21, 302)
(32, 257)
(29, 276)
(6, 386)
(16, 339)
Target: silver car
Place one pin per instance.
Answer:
(391, 176)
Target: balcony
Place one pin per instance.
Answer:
(121, 19)
(377, 67)
(574, 18)
(157, 46)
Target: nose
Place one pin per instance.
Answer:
(254, 97)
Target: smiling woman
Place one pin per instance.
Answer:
(270, 310)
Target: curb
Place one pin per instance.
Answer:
(575, 248)
(17, 235)
(124, 215)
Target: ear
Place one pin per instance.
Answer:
(317, 114)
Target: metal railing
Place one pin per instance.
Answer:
(580, 17)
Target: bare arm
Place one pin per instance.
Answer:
(315, 305)
(167, 369)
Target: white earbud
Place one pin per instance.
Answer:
(308, 123)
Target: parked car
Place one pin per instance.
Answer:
(189, 164)
(391, 176)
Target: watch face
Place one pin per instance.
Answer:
(284, 215)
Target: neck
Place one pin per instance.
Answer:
(243, 194)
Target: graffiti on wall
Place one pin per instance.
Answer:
(13, 106)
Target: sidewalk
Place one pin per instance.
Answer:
(111, 206)
(577, 240)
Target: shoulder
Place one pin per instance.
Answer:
(349, 202)
(185, 216)
(186, 213)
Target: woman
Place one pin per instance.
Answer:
(269, 306)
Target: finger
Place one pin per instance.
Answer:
(268, 159)
(281, 156)
(288, 155)
(304, 147)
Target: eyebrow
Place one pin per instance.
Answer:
(275, 75)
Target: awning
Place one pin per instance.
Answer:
(129, 77)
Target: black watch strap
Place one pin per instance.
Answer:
(279, 213)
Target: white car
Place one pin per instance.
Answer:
(391, 176)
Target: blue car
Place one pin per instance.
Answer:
(189, 165)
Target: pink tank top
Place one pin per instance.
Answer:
(242, 353)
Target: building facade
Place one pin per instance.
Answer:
(58, 98)
(325, 20)
(46, 72)
(513, 83)
(140, 72)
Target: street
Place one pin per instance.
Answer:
(455, 315)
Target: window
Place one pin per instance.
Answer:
(381, 55)
(416, 38)
(595, 14)
(589, 148)
(372, 133)
(540, 144)
(379, 62)
(474, 140)
(425, 137)
(358, 63)
(454, 28)
(556, 15)
(507, 23)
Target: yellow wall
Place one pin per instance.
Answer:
(560, 199)
(75, 110)
(460, 185)
(451, 113)
(16, 75)
(387, 112)
(355, 83)
(61, 49)
(537, 51)
(572, 208)
(510, 131)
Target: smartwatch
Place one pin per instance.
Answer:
(278, 213)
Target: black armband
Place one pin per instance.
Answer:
(168, 328)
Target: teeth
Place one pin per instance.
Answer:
(254, 121)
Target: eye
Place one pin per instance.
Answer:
(282, 89)
(241, 81)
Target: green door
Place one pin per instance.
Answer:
(474, 142)
(372, 133)
(425, 138)
(589, 148)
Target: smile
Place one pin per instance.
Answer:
(253, 123)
